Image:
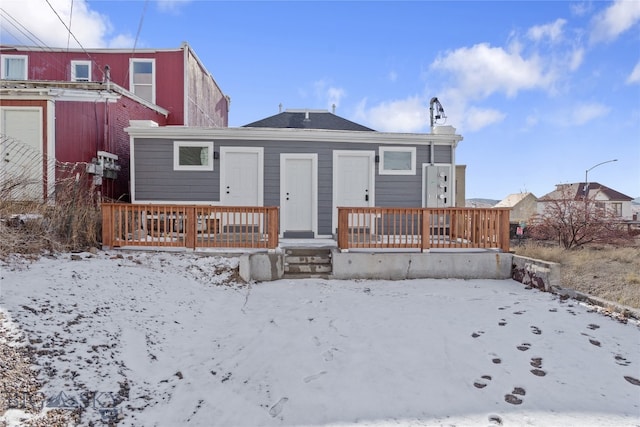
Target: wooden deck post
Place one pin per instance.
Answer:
(191, 227)
(505, 238)
(343, 229)
(425, 230)
(107, 225)
(273, 225)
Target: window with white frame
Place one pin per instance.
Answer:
(142, 80)
(397, 160)
(80, 71)
(14, 67)
(193, 155)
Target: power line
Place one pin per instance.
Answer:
(70, 18)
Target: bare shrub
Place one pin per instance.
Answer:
(68, 219)
(573, 221)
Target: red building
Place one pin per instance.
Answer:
(73, 106)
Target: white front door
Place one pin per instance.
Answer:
(241, 176)
(353, 180)
(298, 192)
(21, 162)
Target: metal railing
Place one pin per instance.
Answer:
(189, 226)
(423, 228)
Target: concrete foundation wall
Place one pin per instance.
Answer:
(543, 275)
(261, 267)
(430, 265)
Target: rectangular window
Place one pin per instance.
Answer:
(80, 71)
(192, 156)
(397, 161)
(616, 208)
(14, 67)
(142, 78)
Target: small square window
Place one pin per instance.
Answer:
(397, 161)
(192, 156)
(14, 67)
(80, 71)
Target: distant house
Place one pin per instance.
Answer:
(604, 197)
(72, 105)
(523, 206)
(307, 162)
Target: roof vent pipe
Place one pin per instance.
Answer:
(306, 116)
(333, 108)
(280, 108)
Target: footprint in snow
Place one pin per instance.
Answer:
(477, 334)
(495, 420)
(513, 396)
(314, 377)
(621, 360)
(535, 330)
(328, 355)
(524, 346)
(278, 407)
(482, 382)
(632, 380)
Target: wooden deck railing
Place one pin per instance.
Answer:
(423, 228)
(189, 226)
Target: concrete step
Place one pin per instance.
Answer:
(315, 259)
(308, 268)
(306, 276)
(307, 263)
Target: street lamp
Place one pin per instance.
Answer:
(586, 176)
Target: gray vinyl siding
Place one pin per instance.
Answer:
(155, 179)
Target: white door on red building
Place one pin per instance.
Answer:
(21, 163)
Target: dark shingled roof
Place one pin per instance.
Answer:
(576, 190)
(297, 119)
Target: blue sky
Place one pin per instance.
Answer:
(541, 91)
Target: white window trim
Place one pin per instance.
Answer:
(26, 65)
(153, 76)
(176, 155)
(383, 171)
(73, 70)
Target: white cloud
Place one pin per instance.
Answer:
(393, 76)
(482, 70)
(552, 31)
(616, 19)
(171, 5)
(404, 115)
(576, 59)
(328, 94)
(91, 28)
(634, 77)
(478, 118)
(583, 114)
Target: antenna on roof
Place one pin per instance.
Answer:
(436, 113)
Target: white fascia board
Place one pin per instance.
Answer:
(77, 95)
(292, 135)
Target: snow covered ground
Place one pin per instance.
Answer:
(167, 339)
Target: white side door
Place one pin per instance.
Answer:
(21, 162)
(353, 181)
(241, 176)
(299, 192)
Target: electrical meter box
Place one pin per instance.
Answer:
(439, 186)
